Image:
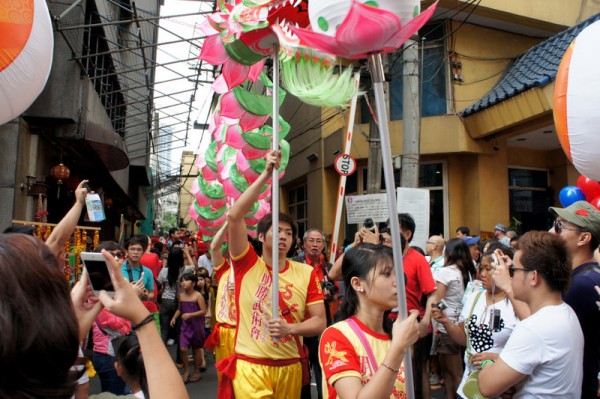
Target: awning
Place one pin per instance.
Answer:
(109, 146)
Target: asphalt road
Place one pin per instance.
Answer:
(206, 388)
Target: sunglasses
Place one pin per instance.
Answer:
(511, 270)
(118, 255)
(558, 227)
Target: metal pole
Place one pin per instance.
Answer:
(342, 185)
(275, 187)
(378, 78)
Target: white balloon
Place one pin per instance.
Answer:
(22, 81)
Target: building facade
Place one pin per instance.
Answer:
(94, 116)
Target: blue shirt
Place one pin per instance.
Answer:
(582, 298)
(136, 272)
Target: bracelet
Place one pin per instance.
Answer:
(391, 369)
(148, 319)
(489, 361)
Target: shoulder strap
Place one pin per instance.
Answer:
(287, 315)
(361, 335)
(129, 272)
(474, 303)
(466, 328)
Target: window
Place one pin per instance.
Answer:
(100, 69)
(433, 81)
(431, 176)
(298, 207)
(529, 198)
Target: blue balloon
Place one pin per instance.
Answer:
(569, 195)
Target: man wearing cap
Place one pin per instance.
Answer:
(579, 226)
(500, 234)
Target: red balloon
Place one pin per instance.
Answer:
(596, 202)
(590, 188)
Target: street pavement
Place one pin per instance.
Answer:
(206, 388)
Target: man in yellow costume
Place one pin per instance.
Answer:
(269, 356)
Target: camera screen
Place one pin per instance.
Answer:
(99, 275)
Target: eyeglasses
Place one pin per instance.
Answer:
(386, 240)
(314, 241)
(135, 249)
(118, 255)
(430, 242)
(511, 270)
(558, 227)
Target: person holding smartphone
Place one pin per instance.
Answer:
(42, 315)
(134, 271)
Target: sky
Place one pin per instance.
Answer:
(174, 29)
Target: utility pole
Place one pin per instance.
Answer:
(374, 162)
(411, 114)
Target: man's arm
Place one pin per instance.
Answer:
(215, 245)
(238, 241)
(497, 378)
(310, 327)
(426, 321)
(65, 228)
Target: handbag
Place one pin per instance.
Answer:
(471, 388)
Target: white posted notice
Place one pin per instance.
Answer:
(409, 200)
(360, 207)
(416, 202)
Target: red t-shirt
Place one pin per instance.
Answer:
(419, 280)
(152, 262)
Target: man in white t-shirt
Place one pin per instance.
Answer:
(543, 357)
(205, 262)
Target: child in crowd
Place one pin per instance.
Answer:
(130, 366)
(204, 288)
(192, 309)
(210, 290)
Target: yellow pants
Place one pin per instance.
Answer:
(226, 345)
(257, 381)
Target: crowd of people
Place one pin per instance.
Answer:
(505, 317)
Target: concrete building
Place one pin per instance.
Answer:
(94, 115)
(488, 148)
(189, 173)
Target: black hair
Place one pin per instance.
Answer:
(407, 223)
(464, 230)
(457, 253)
(173, 230)
(265, 223)
(158, 245)
(189, 277)
(129, 356)
(138, 239)
(548, 254)
(358, 262)
(174, 265)
(108, 246)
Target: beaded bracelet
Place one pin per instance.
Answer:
(391, 369)
(148, 319)
(486, 362)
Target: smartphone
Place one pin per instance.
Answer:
(495, 259)
(369, 224)
(98, 272)
(441, 305)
